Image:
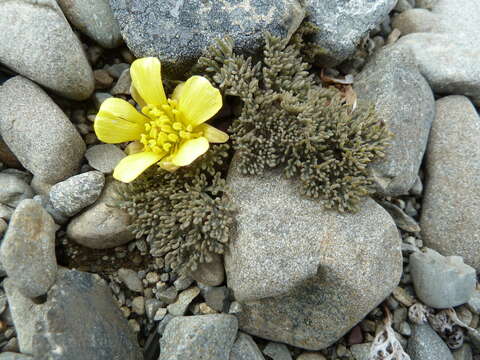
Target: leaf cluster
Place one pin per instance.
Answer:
(185, 216)
(288, 119)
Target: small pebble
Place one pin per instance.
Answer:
(134, 325)
(138, 305)
(130, 279)
(152, 277)
(403, 297)
(168, 295)
(179, 308)
(160, 314)
(183, 282)
(103, 80)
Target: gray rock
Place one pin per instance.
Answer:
(449, 62)
(52, 57)
(6, 212)
(130, 279)
(441, 282)
(28, 249)
(76, 193)
(40, 187)
(245, 348)
(415, 20)
(58, 217)
(360, 351)
(404, 102)
(474, 302)
(211, 274)
(100, 97)
(151, 308)
(104, 157)
(14, 356)
(138, 305)
(116, 70)
(199, 337)
(425, 344)
(168, 295)
(451, 202)
(342, 25)
(183, 282)
(277, 351)
(102, 225)
(37, 131)
(79, 310)
(122, 87)
(317, 273)
(217, 298)
(177, 32)
(13, 190)
(402, 220)
(184, 299)
(95, 19)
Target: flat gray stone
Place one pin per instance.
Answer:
(245, 348)
(425, 344)
(199, 337)
(79, 310)
(13, 190)
(38, 43)
(37, 131)
(104, 157)
(28, 249)
(404, 102)
(95, 19)
(449, 62)
(101, 226)
(451, 202)
(314, 273)
(416, 20)
(76, 193)
(177, 32)
(342, 25)
(441, 282)
(179, 307)
(130, 279)
(14, 356)
(360, 351)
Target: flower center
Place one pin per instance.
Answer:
(166, 129)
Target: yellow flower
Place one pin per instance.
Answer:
(170, 132)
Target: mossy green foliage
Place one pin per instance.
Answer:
(290, 120)
(185, 215)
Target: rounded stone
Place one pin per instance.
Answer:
(102, 225)
(52, 57)
(38, 132)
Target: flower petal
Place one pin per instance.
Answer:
(147, 80)
(136, 96)
(177, 93)
(117, 121)
(199, 100)
(130, 167)
(212, 134)
(189, 151)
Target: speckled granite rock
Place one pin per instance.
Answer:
(79, 310)
(199, 337)
(72, 195)
(13, 190)
(28, 249)
(38, 132)
(314, 273)
(451, 203)
(95, 19)
(178, 31)
(38, 43)
(425, 344)
(101, 226)
(343, 23)
(405, 102)
(245, 348)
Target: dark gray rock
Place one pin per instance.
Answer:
(199, 337)
(211, 274)
(104, 157)
(277, 351)
(177, 32)
(342, 24)
(95, 19)
(404, 102)
(28, 249)
(245, 348)
(449, 62)
(37, 131)
(451, 203)
(425, 344)
(76, 193)
(13, 190)
(441, 282)
(102, 225)
(217, 298)
(52, 57)
(314, 273)
(79, 310)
